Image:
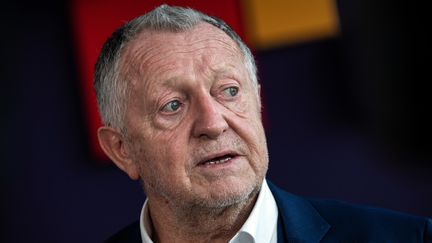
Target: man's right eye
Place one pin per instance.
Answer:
(172, 106)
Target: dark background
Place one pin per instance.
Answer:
(348, 118)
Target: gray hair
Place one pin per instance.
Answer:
(111, 91)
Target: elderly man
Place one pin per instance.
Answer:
(178, 94)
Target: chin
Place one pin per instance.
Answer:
(227, 194)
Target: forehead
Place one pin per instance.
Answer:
(154, 50)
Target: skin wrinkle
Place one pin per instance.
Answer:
(167, 149)
(164, 69)
(168, 54)
(146, 53)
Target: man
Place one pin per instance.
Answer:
(178, 94)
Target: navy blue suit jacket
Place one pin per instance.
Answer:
(309, 220)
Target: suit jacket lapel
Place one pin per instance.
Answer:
(298, 220)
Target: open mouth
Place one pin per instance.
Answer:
(218, 160)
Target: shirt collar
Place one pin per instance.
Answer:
(145, 227)
(260, 226)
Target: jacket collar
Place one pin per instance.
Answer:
(299, 220)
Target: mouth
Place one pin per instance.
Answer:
(218, 159)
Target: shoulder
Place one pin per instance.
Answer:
(355, 222)
(372, 222)
(131, 233)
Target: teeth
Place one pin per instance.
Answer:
(219, 161)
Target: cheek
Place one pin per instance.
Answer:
(249, 126)
(165, 153)
(248, 110)
(170, 123)
(245, 107)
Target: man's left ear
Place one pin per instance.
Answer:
(114, 146)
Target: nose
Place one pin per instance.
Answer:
(209, 120)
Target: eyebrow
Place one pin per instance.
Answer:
(220, 71)
(171, 82)
(226, 69)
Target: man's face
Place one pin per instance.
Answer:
(193, 121)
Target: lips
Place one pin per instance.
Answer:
(217, 159)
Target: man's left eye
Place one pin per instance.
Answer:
(231, 91)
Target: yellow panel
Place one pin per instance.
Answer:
(272, 23)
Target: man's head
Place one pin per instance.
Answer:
(178, 94)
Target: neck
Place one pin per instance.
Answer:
(197, 223)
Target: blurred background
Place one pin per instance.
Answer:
(345, 92)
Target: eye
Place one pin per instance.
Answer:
(172, 106)
(231, 91)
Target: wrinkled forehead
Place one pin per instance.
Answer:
(202, 30)
(150, 48)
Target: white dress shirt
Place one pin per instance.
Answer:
(260, 226)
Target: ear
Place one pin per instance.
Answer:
(115, 148)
